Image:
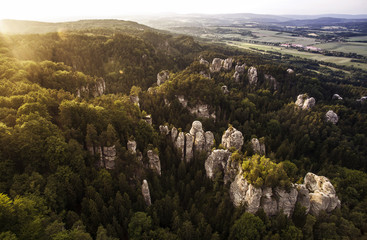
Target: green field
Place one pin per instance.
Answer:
(314, 56)
(345, 47)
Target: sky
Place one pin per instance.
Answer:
(51, 10)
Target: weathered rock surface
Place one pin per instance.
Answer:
(131, 146)
(332, 117)
(224, 89)
(322, 194)
(290, 71)
(204, 62)
(180, 144)
(95, 89)
(252, 75)
(232, 138)
(303, 196)
(336, 97)
(362, 99)
(237, 190)
(227, 64)
(304, 102)
(189, 151)
(196, 126)
(237, 76)
(109, 156)
(258, 147)
(286, 200)
(174, 134)
(209, 140)
(202, 111)
(271, 81)
(182, 100)
(240, 68)
(146, 193)
(135, 99)
(252, 198)
(164, 129)
(154, 161)
(148, 119)
(216, 65)
(216, 161)
(268, 202)
(162, 77)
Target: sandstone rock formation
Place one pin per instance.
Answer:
(271, 81)
(236, 77)
(146, 193)
(135, 99)
(216, 161)
(258, 147)
(332, 117)
(239, 71)
(164, 129)
(195, 140)
(131, 146)
(252, 75)
(227, 64)
(162, 76)
(216, 65)
(148, 119)
(224, 89)
(362, 99)
(336, 97)
(204, 62)
(304, 102)
(154, 161)
(202, 111)
(182, 100)
(322, 194)
(95, 89)
(109, 156)
(232, 138)
(290, 71)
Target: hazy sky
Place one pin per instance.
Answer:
(67, 9)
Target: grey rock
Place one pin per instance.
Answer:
(258, 147)
(162, 77)
(204, 62)
(232, 138)
(322, 194)
(290, 71)
(304, 102)
(180, 144)
(231, 170)
(109, 156)
(146, 193)
(154, 161)
(225, 89)
(209, 140)
(199, 141)
(216, 161)
(269, 202)
(189, 147)
(272, 81)
(216, 65)
(182, 100)
(332, 117)
(196, 126)
(148, 119)
(202, 111)
(95, 89)
(237, 77)
(252, 75)
(303, 197)
(174, 134)
(131, 146)
(286, 200)
(336, 97)
(240, 69)
(252, 199)
(227, 64)
(135, 99)
(164, 129)
(237, 190)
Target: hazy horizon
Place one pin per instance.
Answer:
(41, 10)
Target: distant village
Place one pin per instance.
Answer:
(300, 46)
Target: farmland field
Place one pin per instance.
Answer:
(308, 55)
(345, 47)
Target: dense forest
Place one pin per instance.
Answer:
(70, 98)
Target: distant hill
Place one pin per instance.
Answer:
(30, 27)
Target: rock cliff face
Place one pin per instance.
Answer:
(195, 140)
(131, 146)
(95, 89)
(322, 194)
(162, 76)
(224, 89)
(164, 129)
(290, 71)
(252, 75)
(135, 99)
(258, 147)
(148, 119)
(232, 138)
(218, 64)
(239, 71)
(107, 155)
(304, 102)
(204, 62)
(227, 64)
(146, 193)
(216, 161)
(271, 81)
(332, 117)
(154, 162)
(202, 111)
